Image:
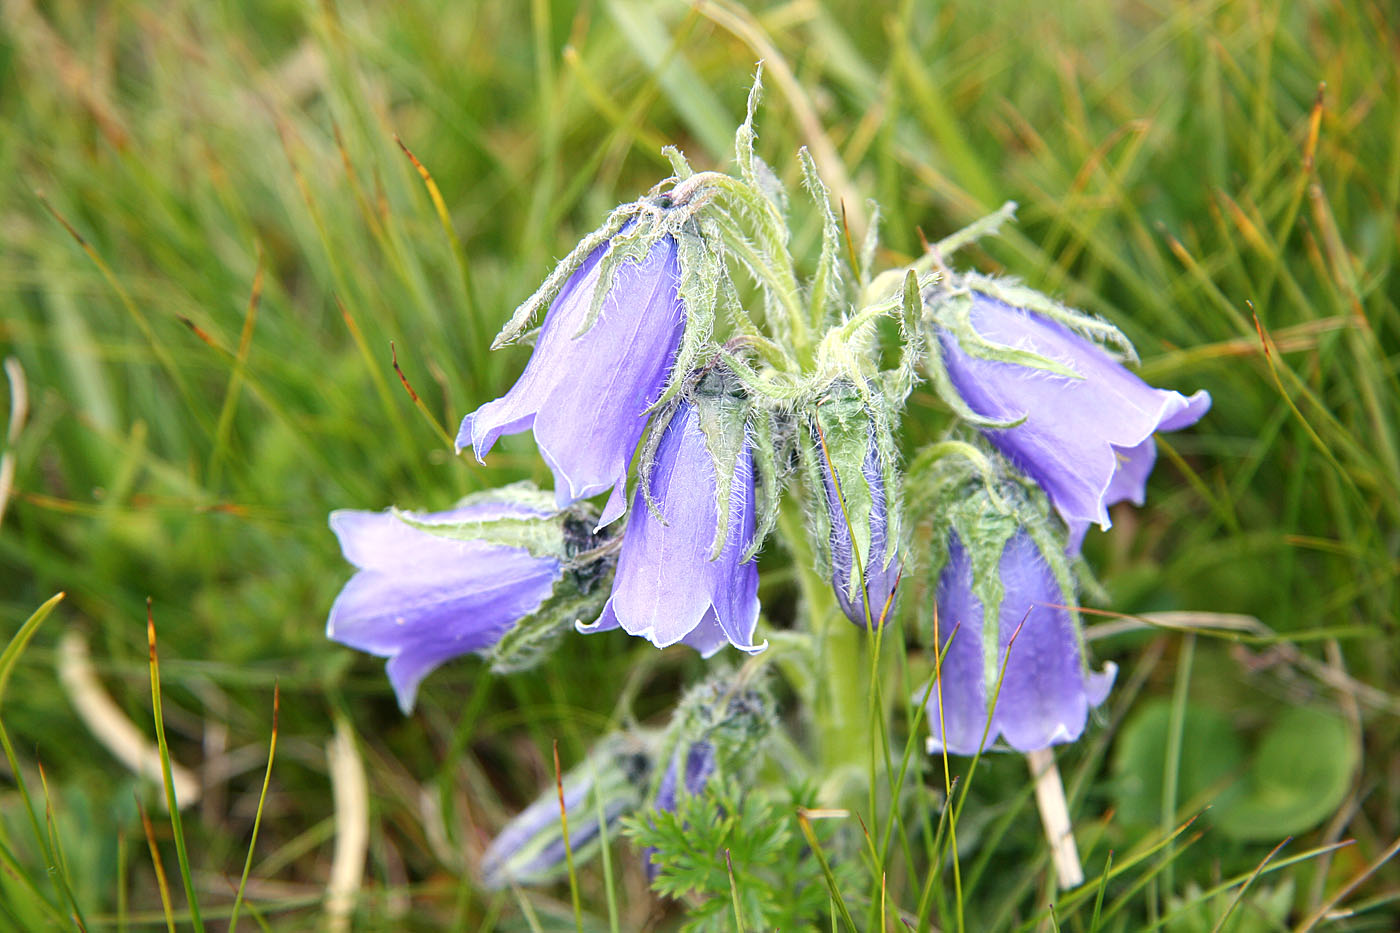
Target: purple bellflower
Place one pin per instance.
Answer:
(1046, 691)
(420, 599)
(586, 389)
(1087, 441)
(881, 571)
(667, 589)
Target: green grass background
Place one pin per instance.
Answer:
(1214, 177)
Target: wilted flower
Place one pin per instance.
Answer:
(667, 589)
(420, 599)
(881, 570)
(1088, 440)
(1046, 690)
(586, 389)
(609, 782)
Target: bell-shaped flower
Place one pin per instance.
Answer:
(587, 387)
(1046, 689)
(609, 783)
(420, 598)
(667, 588)
(1084, 433)
(880, 573)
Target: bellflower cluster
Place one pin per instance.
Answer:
(679, 349)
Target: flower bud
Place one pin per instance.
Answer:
(609, 783)
(857, 520)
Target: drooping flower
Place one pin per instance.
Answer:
(586, 389)
(1088, 440)
(420, 599)
(610, 782)
(1046, 690)
(667, 589)
(881, 565)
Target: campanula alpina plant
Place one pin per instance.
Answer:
(476, 579)
(682, 347)
(1049, 386)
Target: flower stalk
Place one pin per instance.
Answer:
(1054, 817)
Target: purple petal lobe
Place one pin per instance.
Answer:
(957, 712)
(586, 395)
(1076, 431)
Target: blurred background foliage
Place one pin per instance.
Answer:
(207, 355)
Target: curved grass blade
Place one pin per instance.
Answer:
(176, 824)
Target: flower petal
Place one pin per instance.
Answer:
(586, 395)
(957, 710)
(1045, 691)
(515, 411)
(1042, 700)
(383, 541)
(420, 599)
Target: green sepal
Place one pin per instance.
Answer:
(549, 289)
(981, 228)
(847, 348)
(769, 444)
(1089, 326)
(752, 169)
(826, 284)
(943, 387)
(629, 246)
(722, 411)
(935, 257)
(535, 637)
(680, 166)
(541, 536)
(843, 431)
(869, 245)
(703, 275)
(953, 314)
